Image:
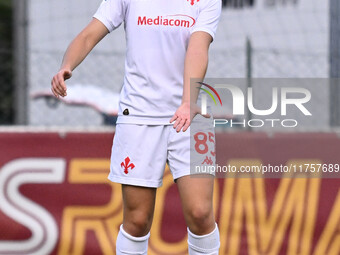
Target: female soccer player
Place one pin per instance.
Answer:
(167, 45)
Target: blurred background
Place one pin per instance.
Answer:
(255, 39)
(54, 155)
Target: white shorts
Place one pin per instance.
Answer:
(140, 153)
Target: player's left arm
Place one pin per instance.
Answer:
(196, 63)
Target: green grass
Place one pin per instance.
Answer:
(6, 3)
(6, 78)
(5, 21)
(5, 9)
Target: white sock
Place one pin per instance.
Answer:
(208, 244)
(128, 244)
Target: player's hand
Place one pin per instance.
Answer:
(58, 85)
(184, 116)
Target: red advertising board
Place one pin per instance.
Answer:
(55, 197)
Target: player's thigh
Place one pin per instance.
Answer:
(136, 197)
(138, 208)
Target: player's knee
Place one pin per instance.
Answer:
(138, 223)
(201, 214)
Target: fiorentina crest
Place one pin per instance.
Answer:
(192, 2)
(126, 165)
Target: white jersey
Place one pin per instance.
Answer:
(157, 35)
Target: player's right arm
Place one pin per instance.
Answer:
(77, 51)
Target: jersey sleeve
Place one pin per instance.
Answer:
(111, 13)
(208, 17)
